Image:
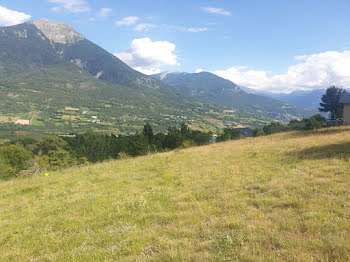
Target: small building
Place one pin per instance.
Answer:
(345, 100)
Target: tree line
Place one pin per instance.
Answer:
(54, 152)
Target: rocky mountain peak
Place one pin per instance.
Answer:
(58, 32)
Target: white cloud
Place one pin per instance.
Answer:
(104, 12)
(148, 71)
(149, 57)
(127, 21)
(197, 30)
(144, 27)
(214, 10)
(10, 17)
(310, 72)
(199, 70)
(73, 6)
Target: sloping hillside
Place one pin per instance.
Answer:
(283, 197)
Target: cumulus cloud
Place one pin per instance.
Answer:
(73, 6)
(215, 10)
(10, 17)
(309, 72)
(104, 12)
(149, 57)
(127, 21)
(144, 27)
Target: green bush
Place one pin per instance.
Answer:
(274, 127)
(229, 134)
(13, 159)
(312, 124)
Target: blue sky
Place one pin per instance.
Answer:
(261, 44)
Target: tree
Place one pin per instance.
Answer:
(330, 102)
(138, 145)
(184, 129)
(94, 147)
(173, 139)
(148, 132)
(229, 134)
(53, 143)
(273, 127)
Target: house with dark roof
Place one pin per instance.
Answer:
(345, 100)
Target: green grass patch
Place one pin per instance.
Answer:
(283, 197)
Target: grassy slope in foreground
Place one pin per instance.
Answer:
(282, 197)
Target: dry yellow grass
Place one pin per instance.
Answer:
(284, 197)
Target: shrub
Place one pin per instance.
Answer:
(312, 124)
(13, 158)
(274, 127)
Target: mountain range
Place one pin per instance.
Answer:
(302, 98)
(52, 78)
(211, 88)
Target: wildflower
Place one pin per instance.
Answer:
(46, 174)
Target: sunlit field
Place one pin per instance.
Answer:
(284, 197)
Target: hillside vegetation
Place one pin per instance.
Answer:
(283, 197)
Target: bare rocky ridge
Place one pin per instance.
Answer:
(58, 32)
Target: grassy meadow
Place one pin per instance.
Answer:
(284, 197)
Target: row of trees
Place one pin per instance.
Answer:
(53, 152)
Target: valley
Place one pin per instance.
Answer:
(52, 79)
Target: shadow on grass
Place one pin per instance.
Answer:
(322, 131)
(340, 151)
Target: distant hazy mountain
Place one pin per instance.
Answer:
(309, 99)
(214, 89)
